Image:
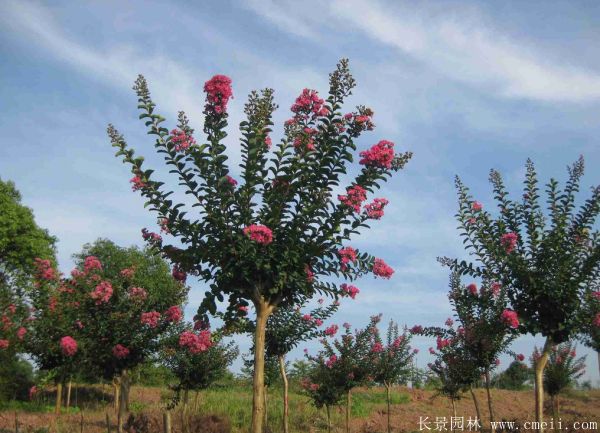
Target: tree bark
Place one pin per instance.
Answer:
(167, 422)
(263, 311)
(124, 396)
(328, 418)
(476, 403)
(266, 409)
(286, 427)
(69, 386)
(116, 392)
(553, 405)
(453, 407)
(388, 397)
(59, 387)
(540, 365)
(489, 397)
(348, 407)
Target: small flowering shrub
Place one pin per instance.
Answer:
(272, 236)
(545, 260)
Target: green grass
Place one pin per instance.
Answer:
(32, 407)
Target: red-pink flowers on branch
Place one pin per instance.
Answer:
(68, 346)
(120, 351)
(597, 320)
(174, 314)
(377, 347)
(449, 322)
(472, 288)
(496, 288)
(309, 104)
(181, 140)
(520, 357)
(137, 293)
(21, 333)
(442, 342)
(476, 206)
(374, 210)
(509, 317)
(355, 197)
(509, 242)
(331, 361)
(331, 330)
(381, 269)
(195, 343)
(178, 274)
(380, 155)
(259, 234)
(137, 183)
(102, 293)
(347, 255)
(128, 273)
(350, 290)
(417, 329)
(231, 181)
(151, 236)
(150, 318)
(218, 91)
(90, 263)
(4, 344)
(44, 269)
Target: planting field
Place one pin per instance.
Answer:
(224, 410)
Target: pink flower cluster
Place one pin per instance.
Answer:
(128, 273)
(120, 351)
(520, 357)
(137, 293)
(359, 122)
(509, 242)
(44, 269)
(151, 236)
(231, 181)
(374, 210)
(509, 317)
(91, 263)
(305, 140)
(195, 343)
(472, 288)
(178, 274)
(347, 255)
(21, 333)
(309, 104)
(380, 155)
(102, 293)
(307, 318)
(476, 206)
(377, 347)
(381, 269)
(417, 329)
(4, 344)
(68, 346)
(442, 342)
(449, 322)
(330, 331)
(181, 140)
(164, 225)
(150, 318)
(174, 314)
(243, 309)
(597, 320)
(310, 275)
(331, 361)
(218, 91)
(259, 233)
(496, 288)
(355, 196)
(350, 290)
(137, 183)
(596, 295)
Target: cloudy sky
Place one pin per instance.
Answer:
(467, 86)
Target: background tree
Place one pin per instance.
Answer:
(562, 371)
(590, 321)
(393, 361)
(271, 240)
(545, 261)
(514, 377)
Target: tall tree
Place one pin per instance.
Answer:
(272, 240)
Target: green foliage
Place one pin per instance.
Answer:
(515, 377)
(552, 258)
(393, 361)
(16, 377)
(563, 369)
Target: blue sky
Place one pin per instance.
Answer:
(467, 86)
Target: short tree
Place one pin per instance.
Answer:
(545, 261)
(271, 240)
(515, 376)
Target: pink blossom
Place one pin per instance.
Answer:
(102, 293)
(596, 294)
(128, 272)
(4, 344)
(164, 225)
(496, 288)
(12, 308)
(179, 274)
(44, 269)
(520, 357)
(151, 236)
(231, 181)
(350, 290)
(398, 341)
(218, 91)
(138, 293)
(173, 314)
(181, 140)
(259, 234)
(377, 347)
(314, 386)
(442, 342)
(509, 242)
(374, 210)
(380, 155)
(347, 255)
(346, 325)
(432, 350)
(310, 275)
(150, 318)
(268, 142)
(597, 320)
(415, 351)
(472, 288)
(381, 269)
(307, 317)
(309, 104)
(318, 322)
(449, 322)
(497, 362)
(195, 343)
(79, 324)
(509, 317)
(21, 333)
(120, 351)
(332, 360)
(356, 195)
(68, 346)
(476, 206)
(243, 309)
(331, 330)
(91, 263)
(32, 392)
(137, 183)
(320, 301)
(417, 329)
(471, 221)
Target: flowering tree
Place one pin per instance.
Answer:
(270, 240)
(393, 360)
(349, 361)
(563, 369)
(545, 261)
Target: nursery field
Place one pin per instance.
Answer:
(229, 410)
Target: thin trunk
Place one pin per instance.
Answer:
(81, 423)
(116, 392)
(489, 397)
(558, 405)
(388, 396)
(476, 403)
(553, 405)
(124, 395)
(348, 408)
(263, 311)
(539, 383)
(453, 407)
(328, 418)
(184, 418)
(107, 423)
(196, 397)
(167, 422)
(286, 427)
(69, 386)
(58, 397)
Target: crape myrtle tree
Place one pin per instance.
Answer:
(287, 327)
(126, 300)
(393, 360)
(545, 260)
(349, 361)
(484, 324)
(590, 321)
(271, 239)
(562, 371)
